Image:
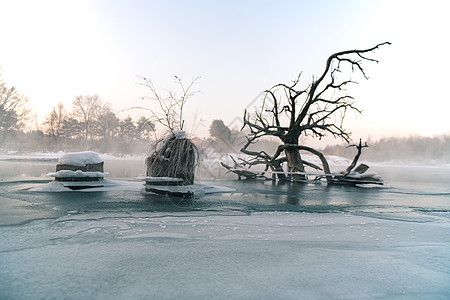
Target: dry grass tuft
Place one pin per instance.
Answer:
(177, 158)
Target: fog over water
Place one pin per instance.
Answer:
(264, 240)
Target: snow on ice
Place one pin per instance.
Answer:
(78, 173)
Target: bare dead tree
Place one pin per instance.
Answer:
(289, 111)
(359, 148)
(273, 163)
(170, 107)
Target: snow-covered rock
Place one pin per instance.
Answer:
(80, 158)
(79, 166)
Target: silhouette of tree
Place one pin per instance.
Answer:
(53, 123)
(170, 105)
(13, 110)
(72, 129)
(318, 109)
(106, 124)
(127, 130)
(145, 128)
(85, 109)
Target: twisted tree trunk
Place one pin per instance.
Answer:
(294, 159)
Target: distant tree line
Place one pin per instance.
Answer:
(13, 111)
(92, 124)
(89, 123)
(410, 149)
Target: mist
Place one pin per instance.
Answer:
(411, 149)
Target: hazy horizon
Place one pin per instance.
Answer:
(56, 51)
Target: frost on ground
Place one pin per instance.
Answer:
(225, 255)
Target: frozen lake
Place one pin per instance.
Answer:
(263, 241)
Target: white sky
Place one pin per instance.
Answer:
(55, 50)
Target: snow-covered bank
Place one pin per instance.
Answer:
(217, 255)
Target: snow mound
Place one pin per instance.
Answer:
(179, 134)
(80, 158)
(373, 175)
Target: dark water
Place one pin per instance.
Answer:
(407, 189)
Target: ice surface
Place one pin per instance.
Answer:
(105, 185)
(197, 190)
(119, 185)
(212, 255)
(80, 158)
(263, 241)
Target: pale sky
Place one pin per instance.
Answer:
(53, 51)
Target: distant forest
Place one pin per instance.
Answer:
(412, 149)
(89, 123)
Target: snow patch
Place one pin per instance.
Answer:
(80, 158)
(78, 173)
(373, 175)
(179, 134)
